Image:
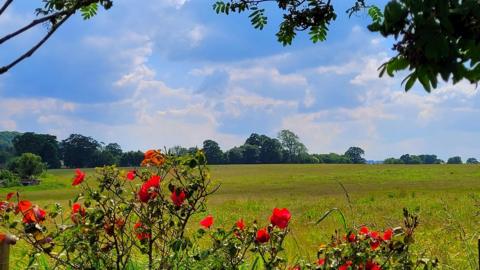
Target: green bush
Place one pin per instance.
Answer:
(8, 179)
(27, 166)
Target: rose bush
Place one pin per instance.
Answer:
(138, 220)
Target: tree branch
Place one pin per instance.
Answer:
(38, 45)
(5, 6)
(34, 23)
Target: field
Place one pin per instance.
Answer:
(446, 198)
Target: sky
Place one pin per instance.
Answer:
(172, 72)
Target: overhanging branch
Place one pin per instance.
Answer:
(38, 45)
(5, 6)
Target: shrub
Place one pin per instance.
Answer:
(138, 220)
(8, 179)
(27, 166)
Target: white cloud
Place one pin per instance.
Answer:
(197, 34)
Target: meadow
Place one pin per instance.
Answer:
(446, 198)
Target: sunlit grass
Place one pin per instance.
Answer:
(444, 196)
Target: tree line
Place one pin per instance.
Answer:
(286, 148)
(79, 151)
(427, 159)
(76, 151)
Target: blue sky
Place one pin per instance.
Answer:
(173, 72)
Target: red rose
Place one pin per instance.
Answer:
(23, 206)
(142, 232)
(364, 230)
(345, 266)
(178, 197)
(207, 222)
(77, 210)
(280, 218)
(240, 225)
(374, 244)
(262, 236)
(10, 195)
(373, 266)
(352, 237)
(131, 175)
(149, 189)
(387, 235)
(34, 215)
(321, 261)
(79, 177)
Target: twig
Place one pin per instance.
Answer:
(38, 45)
(5, 6)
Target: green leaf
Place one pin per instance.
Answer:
(89, 11)
(410, 81)
(376, 14)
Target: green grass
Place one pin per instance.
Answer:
(444, 196)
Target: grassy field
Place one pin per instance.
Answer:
(446, 197)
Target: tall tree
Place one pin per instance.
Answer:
(251, 153)
(43, 145)
(131, 159)
(79, 151)
(213, 153)
(270, 150)
(455, 160)
(235, 155)
(355, 155)
(472, 161)
(292, 145)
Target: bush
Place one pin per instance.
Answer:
(138, 220)
(27, 166)
(8, 179)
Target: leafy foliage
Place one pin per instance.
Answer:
(8, 179)
(27, 166)
(44, 145)
(314, 15)
(433, 39)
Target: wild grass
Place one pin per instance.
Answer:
(444, 196)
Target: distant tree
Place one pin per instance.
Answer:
(332, 158)
(178, 150)
(131, 158)
(5, 156)
(455, 160)
(429, 159)
(6, 138)
(192, 150)
(114, 148)
(472, 161)
(235, 155)
(393, 161)
(43, 145)
(255, 139)
(213, 153)
(103, 158)
(27, 166)
(270, 150)
(355, 155)
(291, 143)
(251, 153)
(79, 151)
